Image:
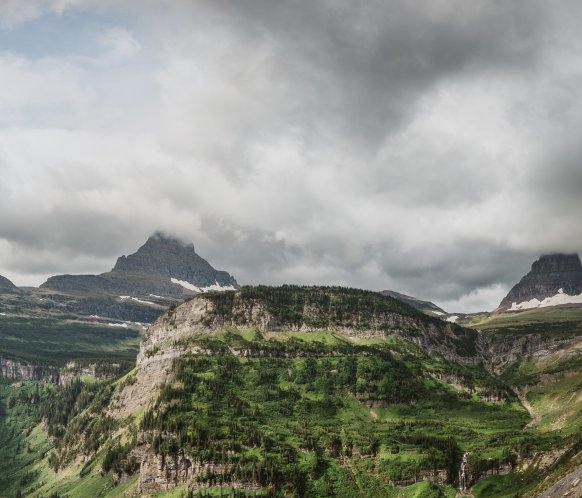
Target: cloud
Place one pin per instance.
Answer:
(118, 44)
(431, 149)
(14, 12)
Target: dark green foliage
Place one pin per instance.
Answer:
(117, 459)
(317, 307)
(329, 308)
(291, 416)
(75, 416)
(19, 406)
(48, 341)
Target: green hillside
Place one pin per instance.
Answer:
(307, 392)
(52, 341)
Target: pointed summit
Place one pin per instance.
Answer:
(164, 267)
(174, 259)
(554, 279)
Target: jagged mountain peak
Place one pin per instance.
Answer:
(174, 259)
(554, 279)
(159, 253)
(165, 266)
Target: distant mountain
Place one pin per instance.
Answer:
(554, 280)
(163, 268)
(7, 287)
(424, 306)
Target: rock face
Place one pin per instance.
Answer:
(20, 370)
(7, 287)
(171, 258)
(164, 267)
(15, 370)
(551, 275)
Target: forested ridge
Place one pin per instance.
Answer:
(280, 392)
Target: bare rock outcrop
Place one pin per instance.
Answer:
(549, 275)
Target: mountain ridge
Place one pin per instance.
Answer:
(419, 304)
(7, 287)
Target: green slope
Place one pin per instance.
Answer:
(345, 394)
(51, 341)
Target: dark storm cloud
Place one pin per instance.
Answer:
(359, 68)
(428, 147)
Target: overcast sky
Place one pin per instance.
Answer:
(430, 147)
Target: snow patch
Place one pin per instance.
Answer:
(123, 298)
(557, 300)
(157, 297)
(126, 324)
(217, 287)
(123, 325)
(452, 318)
(437, 313)
(214, 287)
(186, 285)
(3, 314)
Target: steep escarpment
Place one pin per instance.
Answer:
(355, 313)
(15, 370)
(352, 313)
(296, 391)
(65, 374)
(227, 381)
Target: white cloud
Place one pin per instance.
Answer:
(14, 12)
(31, 88)
(118, 44)
(375, 145)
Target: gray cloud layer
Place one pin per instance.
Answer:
(430, 148)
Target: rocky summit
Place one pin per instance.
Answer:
(164, 267)
(554, 279)
(171, 258)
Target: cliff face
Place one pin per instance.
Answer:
(168, 339)
(549, 276)
(15, 370)
(317, 309)
(181, 333)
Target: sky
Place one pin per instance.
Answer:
(431, 147)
